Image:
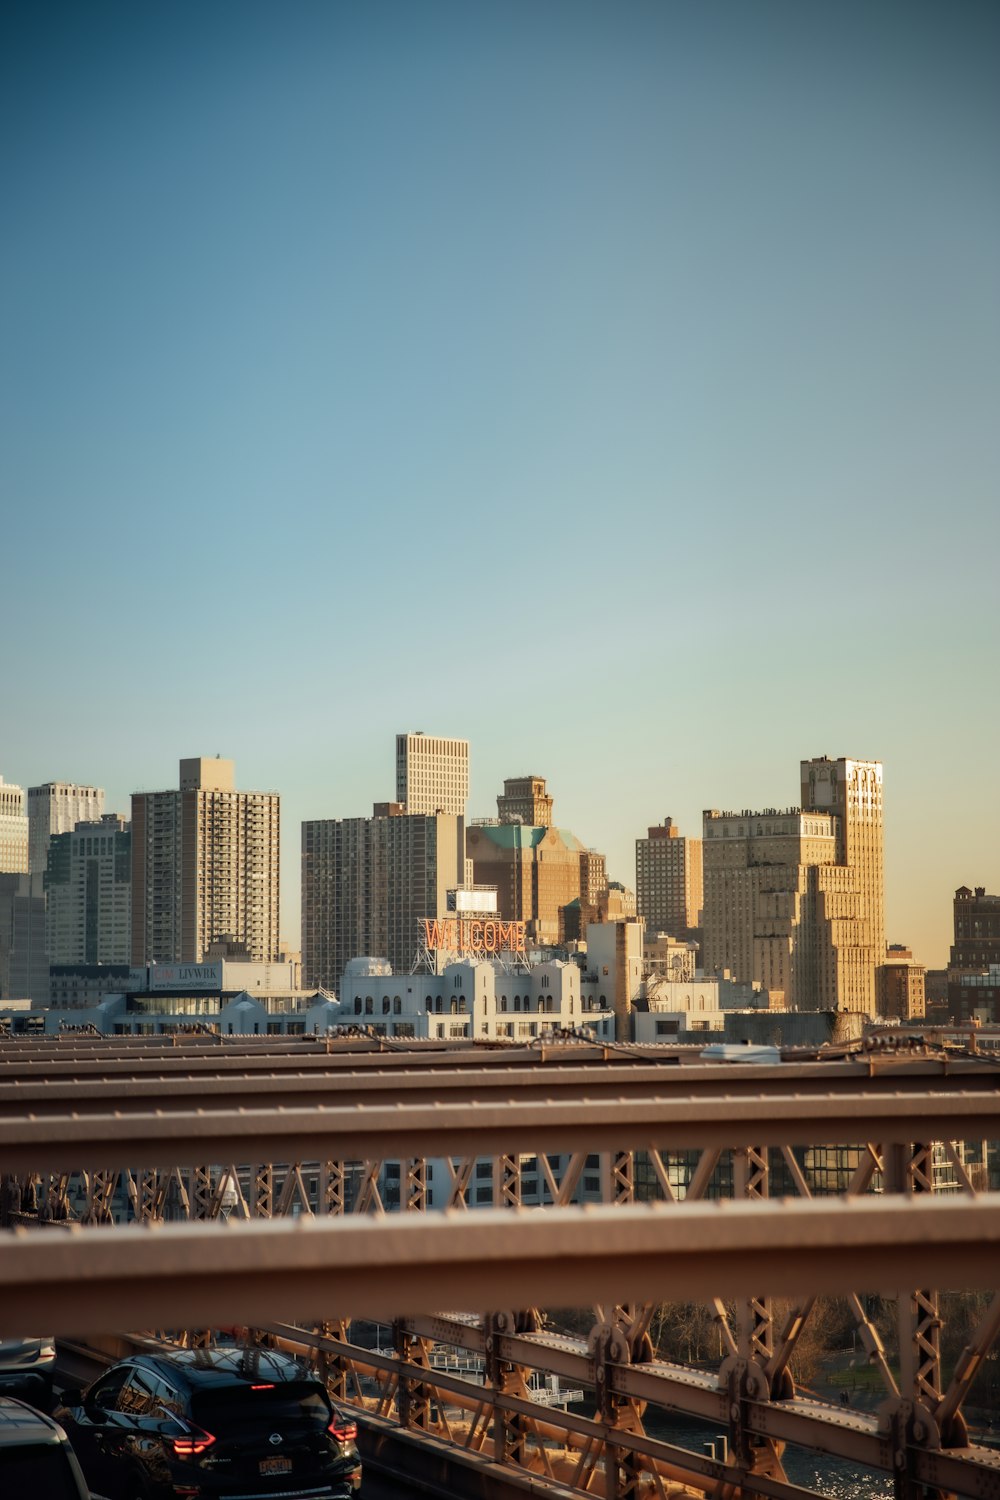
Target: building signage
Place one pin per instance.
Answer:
(461, 935)
(206, 976)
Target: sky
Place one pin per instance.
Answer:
(615, 386)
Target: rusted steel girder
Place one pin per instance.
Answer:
(82, 1280)
(70, 1142)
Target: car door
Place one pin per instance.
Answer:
(87, 1422)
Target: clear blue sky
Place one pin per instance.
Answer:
(615, 385)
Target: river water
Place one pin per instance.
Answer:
(834, 1477)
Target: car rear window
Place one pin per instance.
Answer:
(228, 1406)
(37, 1469)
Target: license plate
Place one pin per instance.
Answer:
(276, 1466)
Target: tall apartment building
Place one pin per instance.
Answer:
(794, 899)
(525, 800)
(669, 886)
(432, 775)
(13, 830)
(205, 866)
(367, 882)
(57, 807)
(88, 894)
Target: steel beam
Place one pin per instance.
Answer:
(81, 1280)
(73, 1142)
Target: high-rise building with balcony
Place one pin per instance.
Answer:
(668, 880)
(205, 866)
(432, 775)
(57, 807)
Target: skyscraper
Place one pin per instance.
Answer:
(88, 894)
(57, 807)
(432, 775)
(13, 830)
(794, 898)
(366, 882)
(668, 879)
(205, 865)
(853, 790)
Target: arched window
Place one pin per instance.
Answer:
(385, 1005)
(430, 1002)
(397, 1005)
(357, 1005)
(437, 1005)
(503, 1002)
(454, 1005)
(369, 1005)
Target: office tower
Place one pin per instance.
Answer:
(367, 882)
(432, 775)
(57, 807)
(545, 877)
(977, 929)
(23, 972)
(794, 899)
(525, 800)
(668, 879)
(88, 894)
(853, 790)
(13, 830)
(205, 866)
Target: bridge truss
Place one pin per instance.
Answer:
(754, 1190)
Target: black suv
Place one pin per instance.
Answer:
(212, 1423)
(35, 1457)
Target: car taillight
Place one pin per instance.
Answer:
(192, 1443)
(343, 1430)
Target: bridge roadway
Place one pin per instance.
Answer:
(165, 1108)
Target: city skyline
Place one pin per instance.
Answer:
(930, 942)
(673, 332)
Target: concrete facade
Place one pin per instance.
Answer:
(794, 899)
(669, 883)
(472, 999)
(205, 866)
(901, 989)
(88, 894)
(525, 800)
(57, 807)
(432, 774)
(367, 882)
